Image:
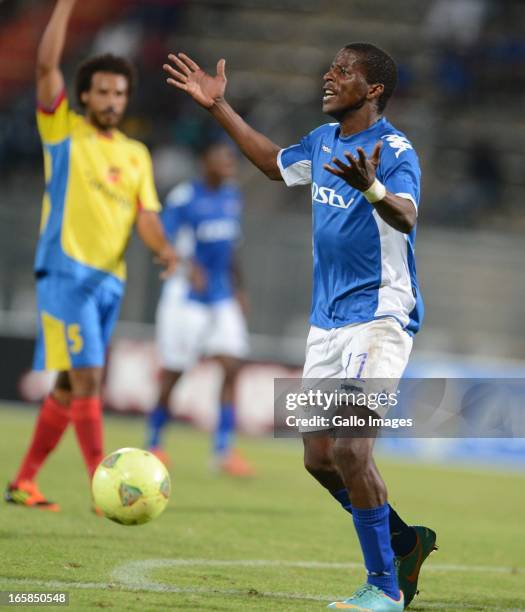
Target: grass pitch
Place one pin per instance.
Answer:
(277, 542)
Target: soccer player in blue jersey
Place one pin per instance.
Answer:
(99, 186)
(199, 312)
(366, 304)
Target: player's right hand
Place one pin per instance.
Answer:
(168, 258)
(197, 277)
(187, 75)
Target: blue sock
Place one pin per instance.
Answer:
(156, 423)
(224, 434)
(403, 537)
(373, 531)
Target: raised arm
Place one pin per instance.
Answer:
(49, 78)
(208, 91)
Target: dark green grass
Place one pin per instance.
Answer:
(279, 516)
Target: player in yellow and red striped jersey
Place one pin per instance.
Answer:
(99, 186)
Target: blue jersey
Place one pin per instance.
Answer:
(211, 218)
(363, 269)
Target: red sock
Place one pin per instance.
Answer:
(86, 414)
(50, 425)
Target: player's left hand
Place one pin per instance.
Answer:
(243, 301)
(169, 259)
(359, 172)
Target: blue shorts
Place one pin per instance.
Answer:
(75, 323)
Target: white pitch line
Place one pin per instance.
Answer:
(164, 588)
(156, 587)
(137, 573)
(161, 588)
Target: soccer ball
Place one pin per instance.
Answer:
(131, 486)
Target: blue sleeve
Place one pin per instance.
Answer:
(172, 220)
(399, 169)
(295, 162)
(175, 212)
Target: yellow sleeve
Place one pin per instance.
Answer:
(54, 123)
(147, 198)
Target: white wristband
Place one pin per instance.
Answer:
(376, 192)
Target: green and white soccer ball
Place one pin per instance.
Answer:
(131, 486)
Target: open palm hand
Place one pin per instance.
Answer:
(187, 75)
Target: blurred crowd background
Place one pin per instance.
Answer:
(460, 100)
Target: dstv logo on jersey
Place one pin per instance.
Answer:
(325, 195)
(214, 230)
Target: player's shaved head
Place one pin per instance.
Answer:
(378, 67)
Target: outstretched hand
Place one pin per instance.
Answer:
(189, 76)
(169, 260)
(359, 172)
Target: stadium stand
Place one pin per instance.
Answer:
(453, 111)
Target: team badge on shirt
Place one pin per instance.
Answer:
(114, 174)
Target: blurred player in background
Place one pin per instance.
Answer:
(200, 312)
(99, 186)
(366, 305)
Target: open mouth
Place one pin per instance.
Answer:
(328, 94)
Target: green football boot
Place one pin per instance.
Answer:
(409, 566)
(370, 599)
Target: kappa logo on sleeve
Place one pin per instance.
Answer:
(397, 142)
